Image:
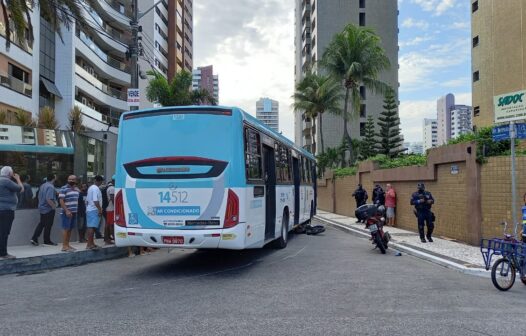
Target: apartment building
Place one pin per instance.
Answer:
(430, 134)
(452, 120)
(316, 22)
(204, 78)
(90, 68)
(267, 111)
(497, 55)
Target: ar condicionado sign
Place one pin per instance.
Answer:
(510, 106)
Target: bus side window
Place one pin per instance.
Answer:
(253, 162)
(302, 169)
(277, 162)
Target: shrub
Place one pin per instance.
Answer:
(401, 161)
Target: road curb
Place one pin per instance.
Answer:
(413, 252)
(61, 259)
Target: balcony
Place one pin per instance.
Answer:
(24, 44)
(100, 91)
(115, 69)
(16, 84)
(95, 120)
(111, 37)
(115, 12)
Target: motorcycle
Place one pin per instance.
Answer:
(375, 221)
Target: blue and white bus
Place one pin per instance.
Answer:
(208, 177)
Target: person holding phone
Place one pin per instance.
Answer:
(8, 202)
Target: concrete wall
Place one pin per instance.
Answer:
(452, 175)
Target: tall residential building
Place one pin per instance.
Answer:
(452, 120)
(430, 134)
(89, 69)
(497, 55)
(204, 78)
(267, 111)
(445, 105)
(316, 22)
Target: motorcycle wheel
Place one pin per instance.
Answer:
(503, 274)
(379, 243)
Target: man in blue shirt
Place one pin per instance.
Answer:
(68, 198)
(46, 205)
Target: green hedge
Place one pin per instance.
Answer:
(400, 161)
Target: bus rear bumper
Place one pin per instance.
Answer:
(232, 238)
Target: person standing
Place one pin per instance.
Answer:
(93, 211)
(423, 201)
(81, 213)
(8, 203)
(69, 199)
(25, 198)
(378, 195)
(108, 228)
(46, 205)
(360, 195)
(390, 204)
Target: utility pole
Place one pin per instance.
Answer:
(134, 48)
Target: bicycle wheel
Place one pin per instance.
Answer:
(503, 274)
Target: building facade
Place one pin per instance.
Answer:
(316, 22)
(497, 54)
(89, 68)
(204, 78)
(452, 120)
(430, 134)
(267, 111)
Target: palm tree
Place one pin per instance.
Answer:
(315, 95)
(23, 118)
(355, 57)
(76, 120)
(17, 16)
(176, 92)
(46, 118)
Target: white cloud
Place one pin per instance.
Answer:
(252, 52)
(458, 82)
(412, 23)
(414, 42)
(461, 25)
(438, 7)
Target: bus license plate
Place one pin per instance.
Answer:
(373, 228)
(179, 240)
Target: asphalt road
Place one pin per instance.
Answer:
(331, 284)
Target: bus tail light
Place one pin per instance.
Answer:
(120, 220)
(232, 210)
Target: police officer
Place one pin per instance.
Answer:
(378, 195)
(423, 200)
(360, 195)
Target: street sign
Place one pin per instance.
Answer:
(500, 133)
(134, 98)
(510, 106)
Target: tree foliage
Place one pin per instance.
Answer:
(176, 92)
(355, 57)
(485, 145)
(391, 141)
(23, 118)
(46, 118)
(76, 120)
(369, 143)
(316, 95)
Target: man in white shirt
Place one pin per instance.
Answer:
(108, 229)
(93, 211)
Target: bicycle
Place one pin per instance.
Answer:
(504, 270)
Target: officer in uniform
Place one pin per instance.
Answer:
(378, 195)
(360, 195)
(423, 200)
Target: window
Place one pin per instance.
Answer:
(474, 6)
(313, 25)
(476, 76)
(253, 166)
(362, 129)
(476, 111)
(302, 170)
(19, 73)
(362, 92)
(362, 19)
(363, 111)
(362, 3)
(283, 166)
(475, 41)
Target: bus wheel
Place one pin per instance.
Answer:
(282, 240)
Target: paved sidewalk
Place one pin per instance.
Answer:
(31, 258)
(448, 253)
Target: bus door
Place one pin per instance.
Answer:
(270, 191)
(297, 179)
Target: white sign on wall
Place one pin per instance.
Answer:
(510, 106)
(134, 98)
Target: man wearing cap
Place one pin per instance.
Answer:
(422, 201)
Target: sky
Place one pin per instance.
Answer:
(251, 46)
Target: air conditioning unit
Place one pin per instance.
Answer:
(84, 101)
